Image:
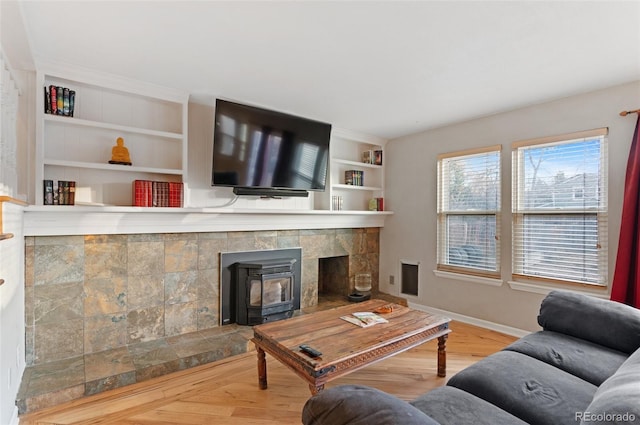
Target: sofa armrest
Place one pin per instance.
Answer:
(608, 323)
(616, 400)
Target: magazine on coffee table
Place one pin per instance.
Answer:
(364, 319)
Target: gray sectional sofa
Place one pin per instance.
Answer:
(583, 367)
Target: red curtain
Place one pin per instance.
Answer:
(626, 279)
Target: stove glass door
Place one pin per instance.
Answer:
(274, 290)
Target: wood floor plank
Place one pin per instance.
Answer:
(227, 393)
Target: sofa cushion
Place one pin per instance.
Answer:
(452, 406)
(592, 362)
(592, 319)
(360, 405)
(617, 400)
(527, 388)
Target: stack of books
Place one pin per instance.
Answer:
(63, 194)
(336, 203)
(148, 193)
(59, 101)
(376, 204)
(354, 177)
(372, 157)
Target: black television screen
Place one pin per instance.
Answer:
(259, 148)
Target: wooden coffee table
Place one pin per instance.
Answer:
(345, 347)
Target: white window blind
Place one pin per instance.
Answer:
(469, 212)
(559, 206)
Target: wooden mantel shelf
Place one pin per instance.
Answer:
(8, 199)
(87, 220)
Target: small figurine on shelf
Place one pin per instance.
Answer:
(119, 153)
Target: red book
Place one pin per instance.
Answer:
(175, 195)
(136, 193)
(54, 99)
(148, 190)
(141, 193)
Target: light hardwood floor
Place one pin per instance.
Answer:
(226, 392)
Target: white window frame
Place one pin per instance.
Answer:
(546, 275)
(444, 212)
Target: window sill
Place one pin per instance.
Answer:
(539, 288)
(468, 278)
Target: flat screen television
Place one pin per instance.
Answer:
(261, 150)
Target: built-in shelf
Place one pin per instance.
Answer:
(346, 154)
(151, 120)
(357, 164)
(107, 126)
(111, 167)
(354, 187)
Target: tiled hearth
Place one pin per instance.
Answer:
(55, 382)
(103, 311)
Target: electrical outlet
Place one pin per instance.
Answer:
(392, 279)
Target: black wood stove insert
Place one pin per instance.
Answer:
(265, 290)
(259, 286)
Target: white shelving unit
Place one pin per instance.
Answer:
(346, 154)
(152, 121)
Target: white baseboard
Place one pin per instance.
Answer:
(508, 330)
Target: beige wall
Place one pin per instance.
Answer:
(410, 234)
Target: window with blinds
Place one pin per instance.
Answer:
(469, 212)
(559, 208)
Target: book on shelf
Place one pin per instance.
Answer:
(63, 194)
(149, 193)
(376, 204)
(354, 177)
(72, 102)
(368, 157)
(142, 193)
(71, 198)
(47, 101)
(377, 157)
(364, 319)
(53, 95)
(160, 197)
(337, 202)
(65, 101)
(176, 195)
(59, 100)
(48, 198)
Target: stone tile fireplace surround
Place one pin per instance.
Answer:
(88, 294)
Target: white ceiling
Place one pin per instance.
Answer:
(386, 68)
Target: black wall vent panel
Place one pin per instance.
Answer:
(409, 278)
